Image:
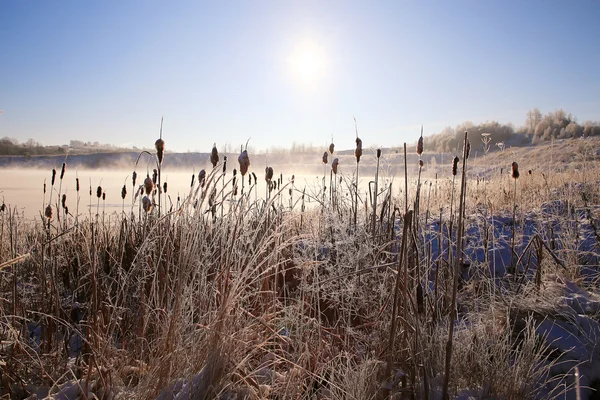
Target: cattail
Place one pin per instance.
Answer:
(201, 177)
(250, 179)
(378, 153)
(148, 184)
(160, 149)
(455, 166)
(134, 177)
(103, 196)
(146, 204)
(53, 176)
(529, 172)
(235, 188)
(165, 187)
(331, 148)
(48, 211)
(224, 163)
(62, 170)
(154, 175)
(293, 177)
(77, 184)
(123, 192)
(268, 174)
(2, 207)
(325, 158)
(515, 170)
(334, 165)
(44, 187)
(255, 179)
(468, 149)
(358, 150)
(214, 155)
(66, 210)
(90, 190)
(192, 184)
(63, 200)
(244, 161)
(420, 145)
(99, 191)
(420, 163)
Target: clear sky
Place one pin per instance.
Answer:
(284, 71)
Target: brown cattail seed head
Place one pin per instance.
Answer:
(154, 175)
(214, 155)
(63, 200)
(420, 163)
(378, 153)
(515, 170)
(77, 184)
(202, 177)
(53, 176)
(148, 184)
(103, 196)
(268, 174)
(224, 163)
(134, 177)
(255, 179)
(90, 190)
(99, 191)
(123, 192)
(160, 149)
(244, 161)
(420, 146)
(3, 207)
(44, 187)
(192, 184)
(325, 158)
(358, 150)
(165, 187)
(455, 166)
(62, 170)
(48, 211)
(146, 204)
(468, 150)
(331, 148)
(334, 165)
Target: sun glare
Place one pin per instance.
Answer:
(307, 64)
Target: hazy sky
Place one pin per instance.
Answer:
(285, 71)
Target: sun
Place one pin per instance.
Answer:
(307, 64)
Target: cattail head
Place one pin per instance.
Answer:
(250, 179)
(62, 170)
(214, 155)
(378, 153)
(90, 190)
(255, 179)
(268, 174)
(165, 187)
(331, 148)
(334, 165)
(358, 150)
(134, 177)
(224, 163)
(99, 191)
(63, 200)
(2, 207)
(148, 184)
(103, 196)
(123, 192)
(146, 204)
(530, 172)
(468, 150)
(202, 177)
(154, 175)
(44, 186)
(48, 211)
(234, 172)
(515, 170)
(420, 145)
(455, 166)
(325, 158)
(244, 161)
(53, 176)
(77, 184)
(160, 149)
(192, 183)
(420, 163)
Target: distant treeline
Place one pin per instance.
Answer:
(12, 147)
(538, 128)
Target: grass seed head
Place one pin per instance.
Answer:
(146, 204)
(515, 170)
(148, 184)
(358, 150)
(455, 166)
(244, 162)
(334, 165)
(48, 211)
(202, 177)
(214, 156)
(160, 149)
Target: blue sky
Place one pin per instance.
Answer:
(227, 71)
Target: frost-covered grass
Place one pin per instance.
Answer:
(224, 293)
